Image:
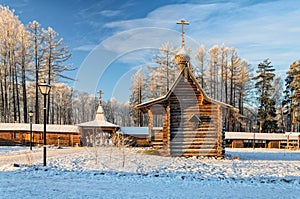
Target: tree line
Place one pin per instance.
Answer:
(257, 92)
(29, 55)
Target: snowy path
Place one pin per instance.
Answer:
(26, 157)
(74, 173)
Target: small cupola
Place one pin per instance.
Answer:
(182, 59)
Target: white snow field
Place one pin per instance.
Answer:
(75, 173)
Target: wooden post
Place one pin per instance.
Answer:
(288, 142)
(119, 144)
(219, 130)
(150, 125)
(168, 118)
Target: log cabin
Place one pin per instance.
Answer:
(138, 135)
(191, 121)
(19, 134)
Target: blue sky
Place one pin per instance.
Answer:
(110, 39)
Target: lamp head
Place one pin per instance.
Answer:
(30, 113)
(44, 88)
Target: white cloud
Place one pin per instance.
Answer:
(85, 48)
(264, 29)
(110, 13)
(258, 31)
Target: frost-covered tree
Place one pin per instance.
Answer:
(243, 87)
(223, 59)
(137, 96)
(162, 76)
(61, 107)
(200, 68)
(10, 28)
(36, 51)
(26, 52)
(278, 90)
(231, 86)
(117, 113)
(265, 90)
(84, 106)
(55, 54)
(24, 61)
(213, 68)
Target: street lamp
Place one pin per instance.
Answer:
(297, 118)
(254, 129)
(45, 89)
(30, 114)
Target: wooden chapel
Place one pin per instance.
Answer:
(191, 121)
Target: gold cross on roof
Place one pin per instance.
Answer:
(182, 22)
(100, 92)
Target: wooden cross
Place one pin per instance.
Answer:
(182, 22)
(100, 92)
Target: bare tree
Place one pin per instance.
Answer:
(37, 40)
(200, 59)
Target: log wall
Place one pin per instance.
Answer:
(23, 138)
(192, 124)
(189, 137)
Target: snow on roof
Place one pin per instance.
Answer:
(97, 123)
(140, 132)
(182, 52)
(38, 127)
(260, 136)
(168, 94)
(100, 114)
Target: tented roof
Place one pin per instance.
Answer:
(99, 121)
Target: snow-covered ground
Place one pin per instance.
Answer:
(134, 173)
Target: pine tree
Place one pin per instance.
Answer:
(277, 94)
(294, 87)
(287, 101)
(264, 85)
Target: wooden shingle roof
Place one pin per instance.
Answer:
(168, 94)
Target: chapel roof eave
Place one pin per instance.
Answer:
(98, 124)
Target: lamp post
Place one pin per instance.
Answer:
(254, 129)
(45, 89)
(30, 114)
(297, 118)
